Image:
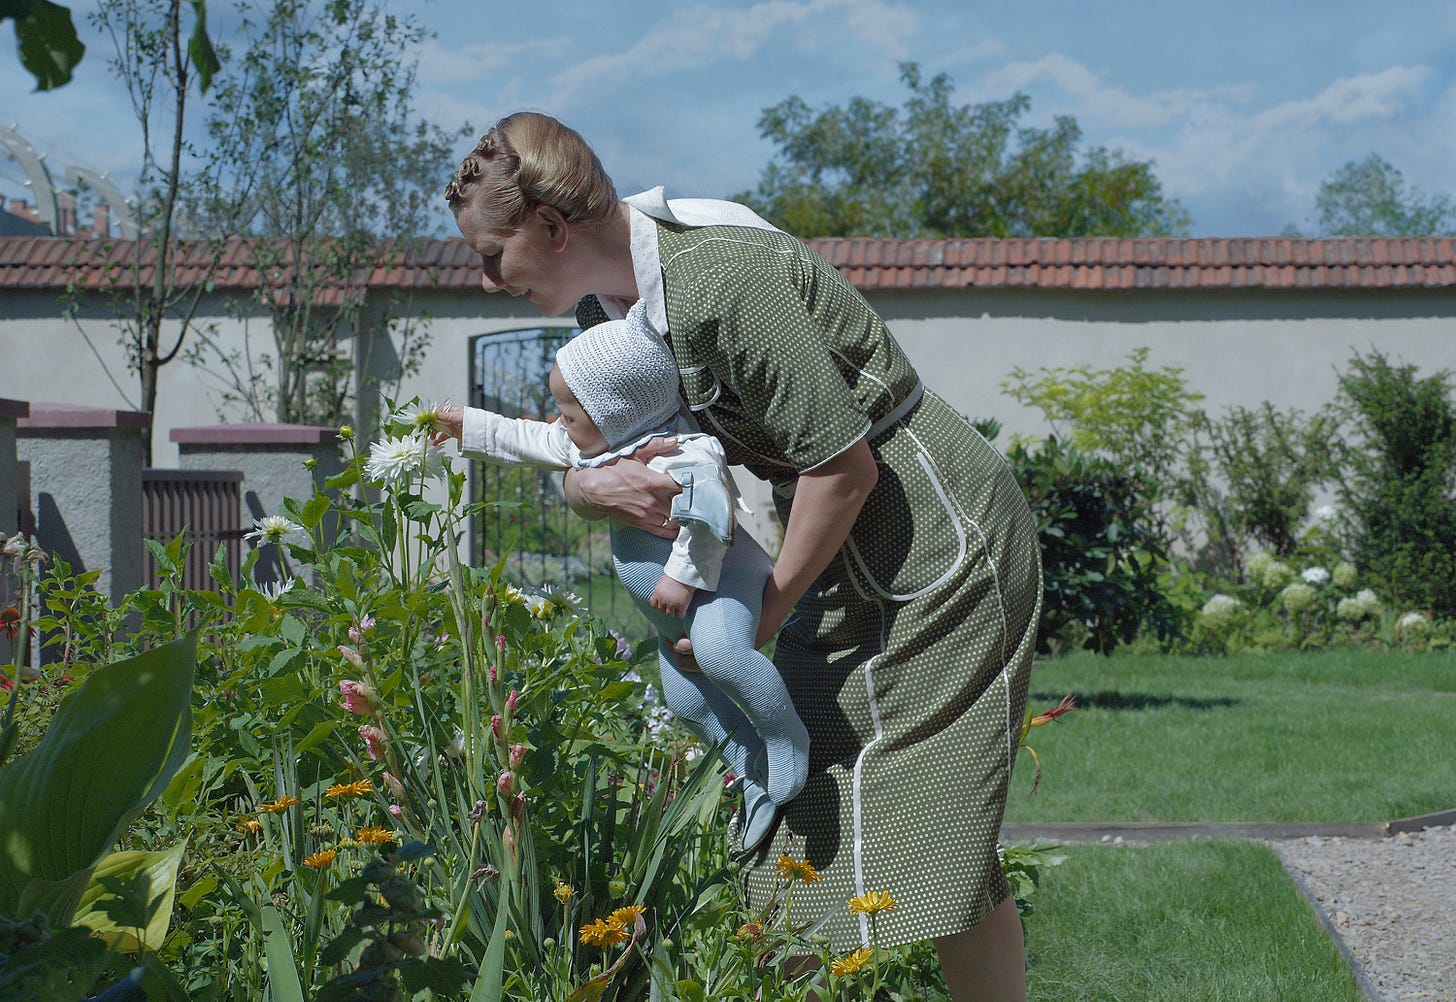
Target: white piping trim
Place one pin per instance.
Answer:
(857, 773)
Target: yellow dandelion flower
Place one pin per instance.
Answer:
(252, 826)
(320, 860)
(625, 917)
(358, 788)
(852, 963)
(375, 836)
(278, 806)
(603, 933)
(792, 869)
(874, 901)
(563, 892)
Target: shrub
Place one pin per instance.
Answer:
(1102, 558)
(1400, 479)
(1251, 476)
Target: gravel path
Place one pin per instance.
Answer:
(1393, 902)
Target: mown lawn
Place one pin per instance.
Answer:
(1341, 736)
(1188, 920)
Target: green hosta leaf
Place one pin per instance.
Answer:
(147, 883)
(49, 48)
(111, 749)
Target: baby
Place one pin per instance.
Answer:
(616, 386)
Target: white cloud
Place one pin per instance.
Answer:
(1090, 97)
(700, 37)
(442, 65)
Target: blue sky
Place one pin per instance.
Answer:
(1244, 107)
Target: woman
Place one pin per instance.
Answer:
(906, 592)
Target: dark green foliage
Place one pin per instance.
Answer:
(938, 169)
(1399, 489)
(1101, 555)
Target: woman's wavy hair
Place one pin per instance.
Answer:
(526, 160)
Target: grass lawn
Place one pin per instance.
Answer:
(1189, 920)
(1318, 736)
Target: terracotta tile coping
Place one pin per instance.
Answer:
(255, 434)
(44, 415)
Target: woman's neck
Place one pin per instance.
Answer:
(607, 250)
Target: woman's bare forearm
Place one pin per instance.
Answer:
(827, 500)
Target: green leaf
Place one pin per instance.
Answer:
(150, 879)
(49, 48)
(111, 749)
(200, 50)
(278, 947)
(313, 512)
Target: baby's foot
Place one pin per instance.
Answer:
(759, 812)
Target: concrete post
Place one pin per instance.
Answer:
(10, 412)
(86, 488)
(273, 460)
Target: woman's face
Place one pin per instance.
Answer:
(523, 262)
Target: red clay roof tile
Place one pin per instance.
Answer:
(870, 263)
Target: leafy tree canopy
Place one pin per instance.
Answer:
(1370, 198)
(935, 168)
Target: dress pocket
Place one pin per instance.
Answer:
(910, 537)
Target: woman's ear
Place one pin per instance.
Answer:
(553, 226)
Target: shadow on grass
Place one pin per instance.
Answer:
(1113, 700)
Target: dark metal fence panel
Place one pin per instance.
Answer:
(203, 503)
(545, 545)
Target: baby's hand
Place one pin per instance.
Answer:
(672, 597)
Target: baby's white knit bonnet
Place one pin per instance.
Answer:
(624, 376)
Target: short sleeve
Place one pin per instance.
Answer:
(758, 336)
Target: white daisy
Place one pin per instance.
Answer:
(420, 417)
(397, 460)
(273, 590)
(273, 529)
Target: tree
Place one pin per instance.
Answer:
(158, 69)
(938, 169)
(1370, 198)
(334, 170)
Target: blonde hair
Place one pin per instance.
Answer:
(526, 160)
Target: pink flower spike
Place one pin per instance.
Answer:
(351, 656)
(518, 753)
(396, 810)
(498, 728)
(518, 806)
(374, 741)
(505, 785)
(500, 642)
(359, 699)
(511, 702)
(494, 679)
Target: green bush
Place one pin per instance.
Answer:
(1103, 560)
(1399, 488)
(1251, 476)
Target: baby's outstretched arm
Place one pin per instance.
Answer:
(672, 597)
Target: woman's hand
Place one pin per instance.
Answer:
(627, 491)
(452, 424)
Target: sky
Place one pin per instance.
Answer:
(1243, 107)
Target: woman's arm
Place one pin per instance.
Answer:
(827, 500)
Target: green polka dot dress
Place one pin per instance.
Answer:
(908, 660)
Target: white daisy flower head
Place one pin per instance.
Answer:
(396, 461)
(273, 590)
(273, 529)
(1315, 575)
(421, 417)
